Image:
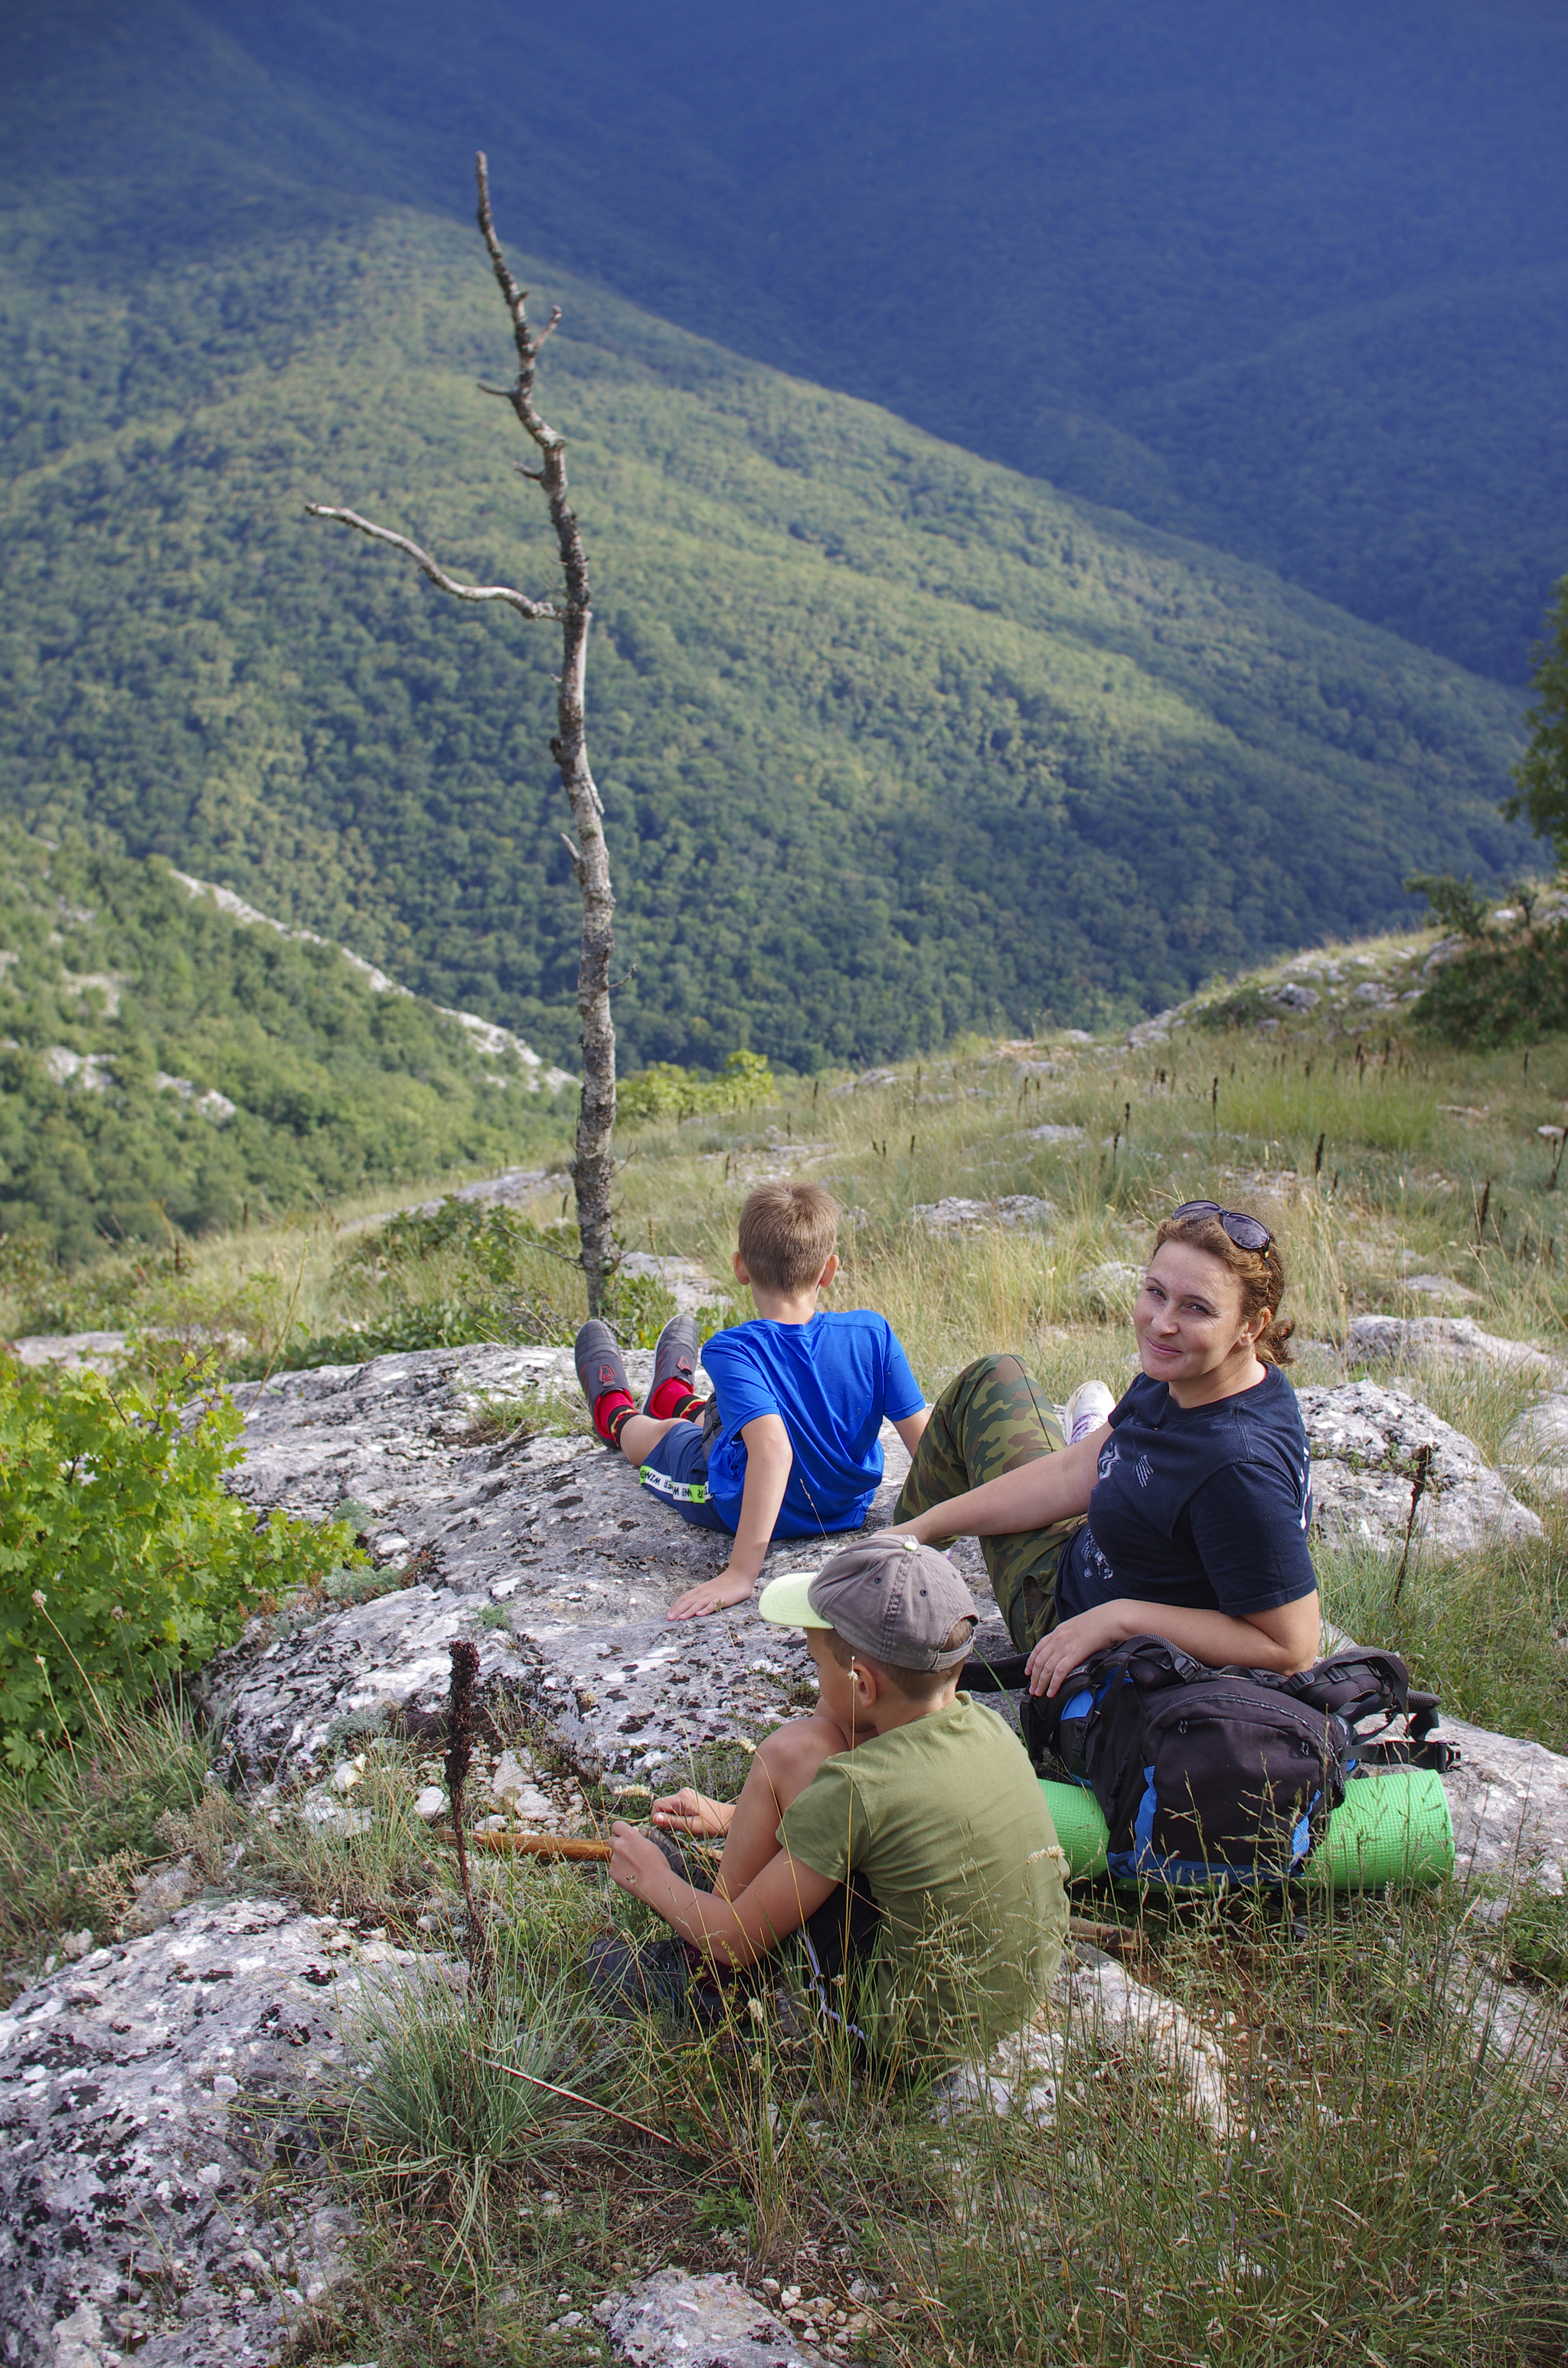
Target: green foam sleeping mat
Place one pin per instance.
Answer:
(1390, 1828)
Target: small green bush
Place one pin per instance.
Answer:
(1457, 906)
(1504, 991)
(123, 1560)
(1242, 1009)
(662, 1090)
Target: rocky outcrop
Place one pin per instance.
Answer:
(1444, 1340)
(542, 1548)
(144, 2093)
(1365, 1442)
(1535, 1450)
(956, 1215)
(1510, 1807)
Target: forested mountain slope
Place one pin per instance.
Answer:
(1292, 281)
(893, 741)
(161, 1061)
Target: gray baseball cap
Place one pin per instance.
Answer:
(888, 1596)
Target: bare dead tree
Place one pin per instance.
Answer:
(593, 1165)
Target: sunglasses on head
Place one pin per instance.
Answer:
(1247, 1233)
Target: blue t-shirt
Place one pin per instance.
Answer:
(1207, 1507)
(832, 1381)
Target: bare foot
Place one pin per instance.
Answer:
(713, 1595)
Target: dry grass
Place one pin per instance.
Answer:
(1398, 2192)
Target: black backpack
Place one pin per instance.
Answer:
(1221, 1774)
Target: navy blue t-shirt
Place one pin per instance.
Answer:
(832, 1381)
(1206, 1506)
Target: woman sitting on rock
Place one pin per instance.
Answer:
(1187, 1518)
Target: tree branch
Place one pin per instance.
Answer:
(437, 574)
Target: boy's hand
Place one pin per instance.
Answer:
(635, 1860)
(731, 1586)
(690, 1812)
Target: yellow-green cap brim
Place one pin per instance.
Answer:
(786, 1602)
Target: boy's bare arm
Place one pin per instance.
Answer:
(911, 1427)
(732, 1932)
(769, 1458)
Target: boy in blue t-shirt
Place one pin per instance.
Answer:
(789, 1444)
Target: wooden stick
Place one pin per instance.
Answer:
(568, 1846)
(573, 1846)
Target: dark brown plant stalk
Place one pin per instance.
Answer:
(459, 1758)
(1422, 1464)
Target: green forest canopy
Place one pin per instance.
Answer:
(159, 1059)
(893, 741)
(1294, 282)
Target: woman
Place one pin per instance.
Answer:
(1198, 1496)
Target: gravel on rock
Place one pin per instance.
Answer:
(671, 2321)
(144, 2092)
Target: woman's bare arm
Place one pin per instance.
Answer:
(1052, 1488)
(1284, 1639)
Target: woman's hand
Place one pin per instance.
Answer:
(1073, 1643)
(690, 1812)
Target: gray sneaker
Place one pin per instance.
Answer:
(600, 1365)
(674, 1358)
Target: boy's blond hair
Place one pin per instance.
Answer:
(787, 1235)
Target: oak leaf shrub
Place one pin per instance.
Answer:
(124, 1562)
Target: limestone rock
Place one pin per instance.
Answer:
(954, 1215)
(1109, 1291)
(1364, 1439)
(136, 2128)
(1509, 1802)
(1451, 1340)
(1295, 997)
(1535, 1450)
(1441, 1286)
(97, 1352)
(553, 1533)
(1055, 1134)
(687, 1285)
(159, 1894)
(671, 2321)
(1102, 2007)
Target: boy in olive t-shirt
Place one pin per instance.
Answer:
(897, 1790)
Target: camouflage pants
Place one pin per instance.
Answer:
(989, 1419)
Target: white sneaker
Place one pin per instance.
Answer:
(1086, 1410)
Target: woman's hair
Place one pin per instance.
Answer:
(1260, 1274)
(787, 1235)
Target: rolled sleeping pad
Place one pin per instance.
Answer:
(1392, 1827)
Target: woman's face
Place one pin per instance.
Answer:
(1188, 1321)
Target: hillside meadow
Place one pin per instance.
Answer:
(1379, 2106)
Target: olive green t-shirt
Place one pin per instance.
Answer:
(945, 1823)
